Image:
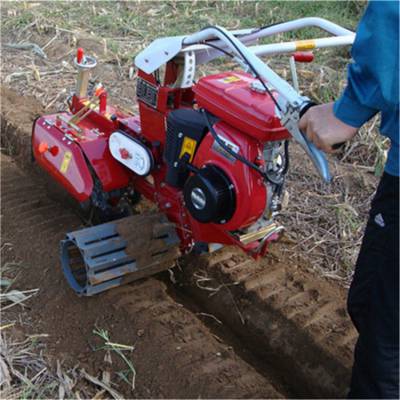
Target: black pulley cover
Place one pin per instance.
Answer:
(210, 195)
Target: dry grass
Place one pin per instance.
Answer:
(25, 373)
(128, 375)
(25, 370)
(326, 223)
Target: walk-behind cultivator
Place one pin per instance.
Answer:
(211, 153)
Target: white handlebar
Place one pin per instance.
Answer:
(342, 37)
(164, 49)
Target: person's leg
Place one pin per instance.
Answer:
(373, 302)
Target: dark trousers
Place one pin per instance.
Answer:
(373, 301)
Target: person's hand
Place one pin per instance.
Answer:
(322, 128)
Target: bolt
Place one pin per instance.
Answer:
(180, 134)
(168, 205)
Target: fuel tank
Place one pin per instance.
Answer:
(240, 100)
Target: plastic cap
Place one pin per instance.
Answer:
(99, 91)
(303, 56)
(79, 55)
(43, 147)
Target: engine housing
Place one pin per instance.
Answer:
(237, 99)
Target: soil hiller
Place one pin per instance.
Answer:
(211, 154)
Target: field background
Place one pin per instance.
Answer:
(324, 223)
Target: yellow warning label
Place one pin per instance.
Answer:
(230, 79)
(305, 45)
(65, 162)
(188, 146)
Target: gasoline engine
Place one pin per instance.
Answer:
(211, 153)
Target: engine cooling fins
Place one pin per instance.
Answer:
(105, 256)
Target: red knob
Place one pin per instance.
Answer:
(303, 56)
(103, 102)
(54, 150)
(79, 55)
(124, 154)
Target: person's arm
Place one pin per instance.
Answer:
(322, 128)
(371, 81)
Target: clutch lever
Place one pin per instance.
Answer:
(290, 119)
(305, 108)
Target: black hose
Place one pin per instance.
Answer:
(238, 156)
(219, 49)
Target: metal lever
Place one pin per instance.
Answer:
(290, 120)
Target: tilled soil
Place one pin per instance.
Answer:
(283, 332)
(175, 353)
(283, 312)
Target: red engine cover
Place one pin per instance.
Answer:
(230, 97)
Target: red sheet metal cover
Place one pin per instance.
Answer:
(230, 97)
(66, 164)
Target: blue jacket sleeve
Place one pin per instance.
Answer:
(372, 83)
(351, 107)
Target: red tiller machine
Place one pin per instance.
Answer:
(211, 154)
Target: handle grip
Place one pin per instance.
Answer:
(335, 146)
(317, 156)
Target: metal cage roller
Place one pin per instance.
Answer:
(101, 257)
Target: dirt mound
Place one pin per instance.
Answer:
(17, 114)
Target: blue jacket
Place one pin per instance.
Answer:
(373, 78)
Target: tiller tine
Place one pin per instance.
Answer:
(101, 257)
